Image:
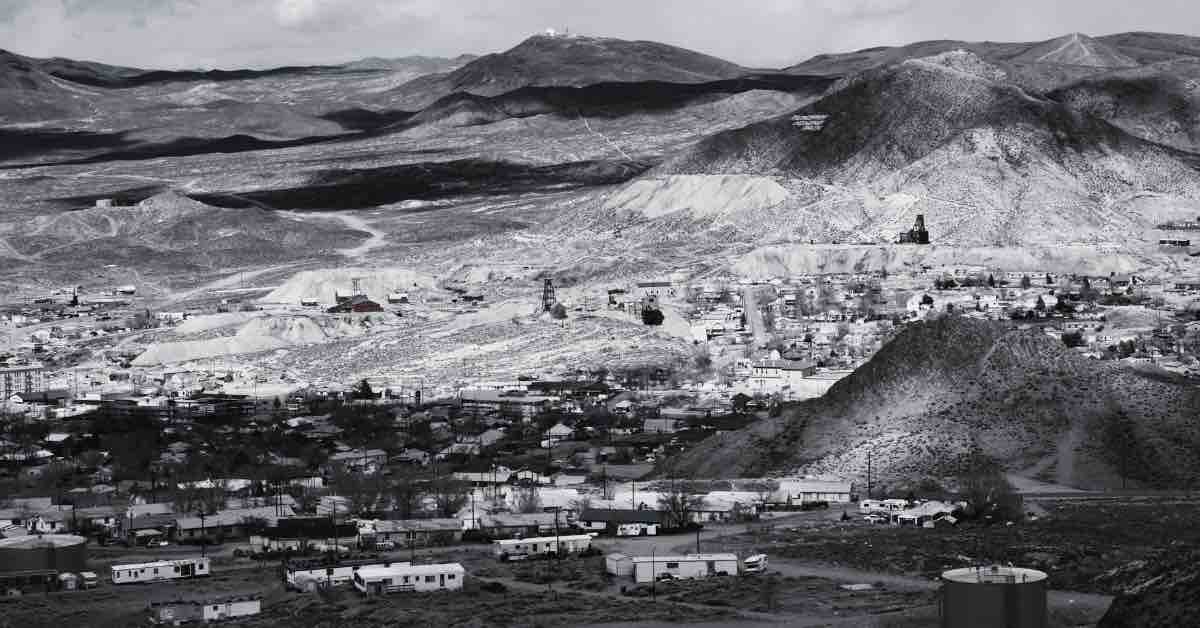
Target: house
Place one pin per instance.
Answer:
(229, 523)
(294, 533)
(570, 477)
(794, 491)
(660, 425)
(558, 433)
(407, 533)
(654, 289)
(520, 525)
(561, 544)
(774, 374)
(365, 461)
(610, 520)
(685, 567)
(398, 577)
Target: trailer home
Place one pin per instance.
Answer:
(564, 544)
(310, 575)
(407, 577)
(683, 567)
(188, 611)
(160, 570)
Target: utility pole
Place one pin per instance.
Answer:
(203, 540)
(869, 453)
(653, 575)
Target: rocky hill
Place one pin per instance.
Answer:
(1163, 592)
(546, 60)
(949, 136)
(174, 230)
(1159, 102)
(943, 387)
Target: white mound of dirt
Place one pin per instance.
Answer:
(700, 195)
(201, 324)
(266, 333)
(376, 283)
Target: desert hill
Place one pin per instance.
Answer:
(948, 136)
(943, 387)
(1162, 592)
(1159, 102)
(546, 60)
(177, 230)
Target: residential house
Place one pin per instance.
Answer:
(407, 533)
(233, 523)
(608, 520)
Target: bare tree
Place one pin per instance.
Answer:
(450, 495)
(406, 496)
(764, 490)
(362, 492)
(528, 500)
(679, 502)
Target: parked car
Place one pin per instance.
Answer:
(876, 518)
(666, 577)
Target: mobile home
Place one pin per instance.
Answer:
(407, 577)
(160, 570)
(565, 544)
(309, 575)
(618, 564)
(688, 566)
(884, 506)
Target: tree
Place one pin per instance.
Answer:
(362, 390)
(1025, 282)
(1073, 339)
(362, 492)
(1041, 305)
(991, 281)
(406, 496)
(987, 492)
(927, 300)
(652, 316)
(678, 502)
(581, 504)
(449, 495)
(558, 312)
(1049, 280)
(528, 500)
(764, 490)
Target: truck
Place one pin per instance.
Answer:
(755, 564)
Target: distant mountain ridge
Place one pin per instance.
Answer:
(544, 60)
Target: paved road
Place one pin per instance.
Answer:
(753, 316)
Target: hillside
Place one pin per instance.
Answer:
(1162, 592)
(951, 137)
(941, 387)
(175, 230)
(546, 60)
(1159, 102)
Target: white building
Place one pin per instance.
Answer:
(400, 577)
(566, 543)
(686, 566)
(160, 570)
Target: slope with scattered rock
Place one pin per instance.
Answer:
(944, 387)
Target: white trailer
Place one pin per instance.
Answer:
(408, 577)
(564, 544)
(309, 578)
(618, 564)
(683, 567)
(637, 529)
(160, 570)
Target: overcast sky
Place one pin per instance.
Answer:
(261, 33)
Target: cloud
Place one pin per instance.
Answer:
(866, 9)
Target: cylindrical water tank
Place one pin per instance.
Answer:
(43, 552)
(993, 597)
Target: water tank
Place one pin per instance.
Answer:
(993, 597)
(34, 552)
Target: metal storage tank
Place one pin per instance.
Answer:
(43, 552)
(993, 597)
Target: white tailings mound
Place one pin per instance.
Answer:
(377, 283)
(782, 261)
(201, 324)
(701, 195)
(260, 334)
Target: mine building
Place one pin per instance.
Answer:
(357, 304)
(917, 235)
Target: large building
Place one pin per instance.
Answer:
(916, 235)
(21, 379)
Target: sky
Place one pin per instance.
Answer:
(176, 34)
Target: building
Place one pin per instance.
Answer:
(610, 521)
(993, 597)
(1174, 242)
(357, 304)
(160, 570)
(230, 523)
(404, 577)
(411, 532)
(793, 491)
(683, 567)
(565, 543)
(366, 461)
(187, 611)
(775, 374)
(294, 533)
(653, 290)
(21, 379)
(916, 235)
(516, 406)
